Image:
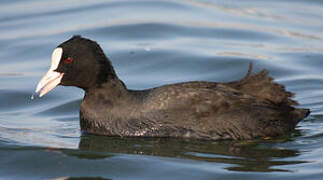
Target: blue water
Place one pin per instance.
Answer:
(154, 43)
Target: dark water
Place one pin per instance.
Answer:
(153, 43)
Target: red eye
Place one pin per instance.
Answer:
(68, 60)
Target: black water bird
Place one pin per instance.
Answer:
(254, 106)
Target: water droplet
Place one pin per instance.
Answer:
(147, 48)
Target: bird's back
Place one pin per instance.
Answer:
(251, 107)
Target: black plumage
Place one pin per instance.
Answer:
(254, 106)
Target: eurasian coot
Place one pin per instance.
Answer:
(254, 106)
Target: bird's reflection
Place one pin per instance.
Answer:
(258, 156)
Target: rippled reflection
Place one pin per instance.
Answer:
(241, 156)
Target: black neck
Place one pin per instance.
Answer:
(112, 92)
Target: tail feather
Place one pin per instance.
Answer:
(281, 116)
(262, 85)
(299, 114)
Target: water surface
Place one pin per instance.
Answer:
(152, 43)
